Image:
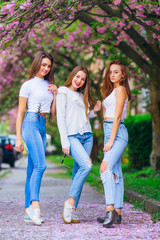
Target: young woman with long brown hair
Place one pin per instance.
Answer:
(73, 113)
(116, 93)
(34, 93)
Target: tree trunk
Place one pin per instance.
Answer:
(155, 113)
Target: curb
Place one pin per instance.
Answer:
(150, 205)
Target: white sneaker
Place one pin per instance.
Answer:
(67, 212)
(75, 218)
(34, 214)
(39, 215)
(27, 219)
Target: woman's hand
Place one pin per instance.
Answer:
(53, 89)
(108, 146)
(97, 107)
(66, 151)
(19, 145)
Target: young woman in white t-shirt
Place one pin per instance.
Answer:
(116, 93)
(73, 113)
(39, 94)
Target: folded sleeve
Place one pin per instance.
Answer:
(61, 100)
(24, 91)
(91, 114)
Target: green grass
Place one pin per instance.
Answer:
(146, 181)
(5, 173)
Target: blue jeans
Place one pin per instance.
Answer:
(80, 150)
(34, 135)
(113, 188)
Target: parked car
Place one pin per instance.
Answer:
(1, 155)
(8, 150)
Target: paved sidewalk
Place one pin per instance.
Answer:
(135, 224)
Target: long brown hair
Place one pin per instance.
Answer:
(36, 64)
(85, 89)
(108, 86)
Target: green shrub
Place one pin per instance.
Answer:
(140, 140)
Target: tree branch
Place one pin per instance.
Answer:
(126, 49)
(146, 48)
(137, 38)
(132, 54)
(147, 27)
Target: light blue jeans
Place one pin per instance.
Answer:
(80, 150)
(113, 188)
(34, 135)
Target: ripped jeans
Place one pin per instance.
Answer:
(80, 150)
(112, 178)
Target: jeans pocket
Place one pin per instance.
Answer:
(124, 133)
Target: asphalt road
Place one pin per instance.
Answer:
(135, 224)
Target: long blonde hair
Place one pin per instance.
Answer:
(107, 86)
(85, 89)
(36, 64)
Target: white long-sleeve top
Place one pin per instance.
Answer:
(71, 116)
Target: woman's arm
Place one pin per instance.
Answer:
(96, 108)
(120, 100)
(53, 89)
(53, 107)
(20, 116)
(104, 110)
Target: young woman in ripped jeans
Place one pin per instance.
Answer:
(34, 93)
(73, 112)
(116, 93)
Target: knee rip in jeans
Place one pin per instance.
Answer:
(89, 163)
(105, 169)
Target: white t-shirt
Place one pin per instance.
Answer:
(39, 98)
(71, 116)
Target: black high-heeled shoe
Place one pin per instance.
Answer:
(110, 218)
(118, 219)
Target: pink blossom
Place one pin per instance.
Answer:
(141, 7)
(121, 24)
(154, 35)
(116, 2)
(26, 5)
(70, 38)
(71, 17)
(11, 9)
(8, 8)
(68, 45)
(60, 43)
(1, 26)
(66, 65)
(99, 19)
(101, 30)
(86, 34)
(39, 46)
(133, 6)
(149, 23)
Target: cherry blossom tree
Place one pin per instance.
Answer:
(130, 26)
